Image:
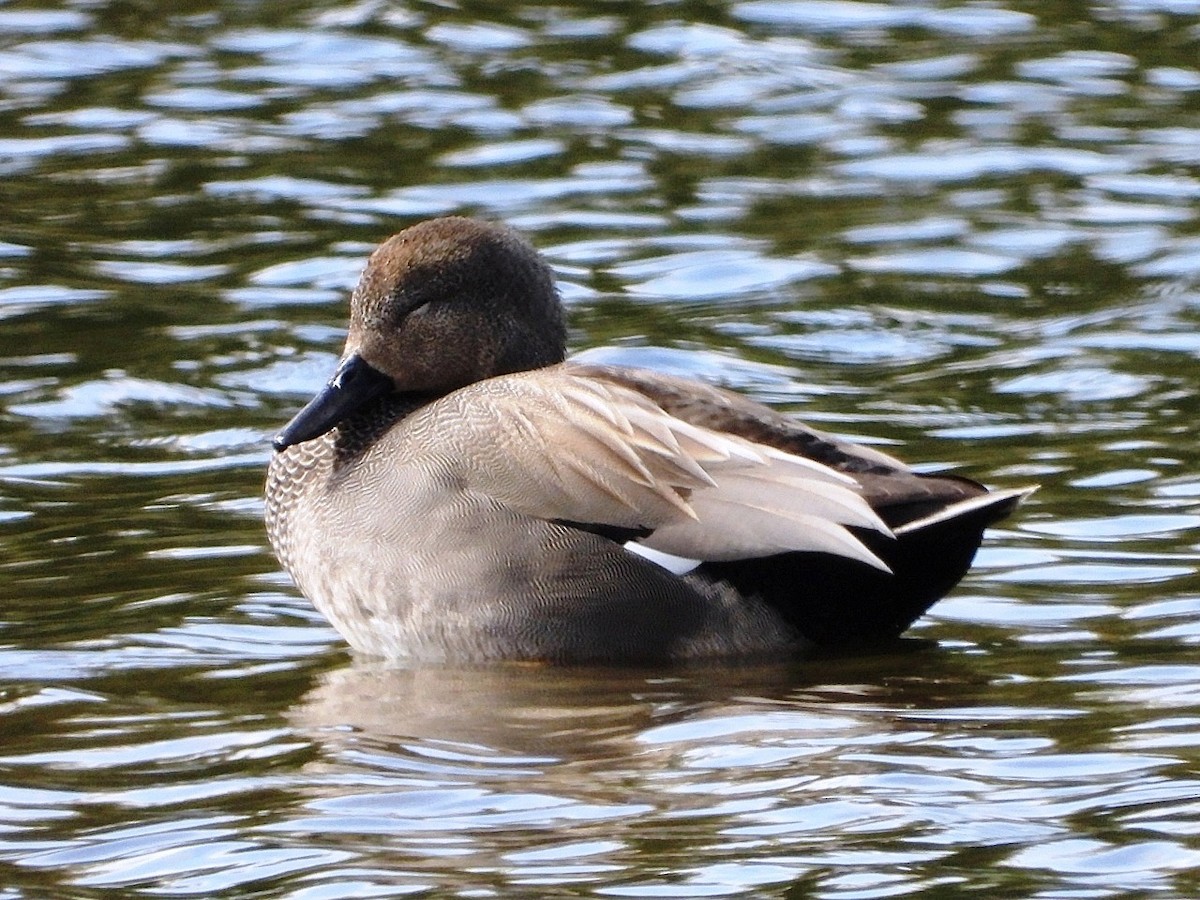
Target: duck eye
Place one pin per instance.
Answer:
(419, 288)
(404, 302)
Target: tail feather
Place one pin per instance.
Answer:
(988, 508)
(835, 601)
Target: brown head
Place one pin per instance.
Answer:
(452, 301)
(440, 305)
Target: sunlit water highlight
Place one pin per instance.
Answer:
(965, 232)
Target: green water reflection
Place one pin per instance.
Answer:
(967, 232)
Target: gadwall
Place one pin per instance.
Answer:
(459, 493)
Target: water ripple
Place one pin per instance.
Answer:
(965, 232)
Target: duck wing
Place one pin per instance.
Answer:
(936, 521)
(897, 493)
(561, 445)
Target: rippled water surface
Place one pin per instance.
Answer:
(968, 232)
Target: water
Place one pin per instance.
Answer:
(965, 232)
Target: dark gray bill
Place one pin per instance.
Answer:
(353, 386)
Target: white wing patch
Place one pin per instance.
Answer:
(677, 565)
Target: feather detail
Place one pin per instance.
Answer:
(817, 498)
(577, 449)
(735, 530)
(595, 403)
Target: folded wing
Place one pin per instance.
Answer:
(583, 450)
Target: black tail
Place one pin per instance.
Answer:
(833, 601)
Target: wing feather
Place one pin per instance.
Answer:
(565, 446)
(749, 530)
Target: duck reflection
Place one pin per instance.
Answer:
(577, 712)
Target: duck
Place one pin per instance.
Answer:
(460, 492)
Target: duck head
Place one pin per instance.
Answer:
(440, 305)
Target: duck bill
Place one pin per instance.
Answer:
(353, 386)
